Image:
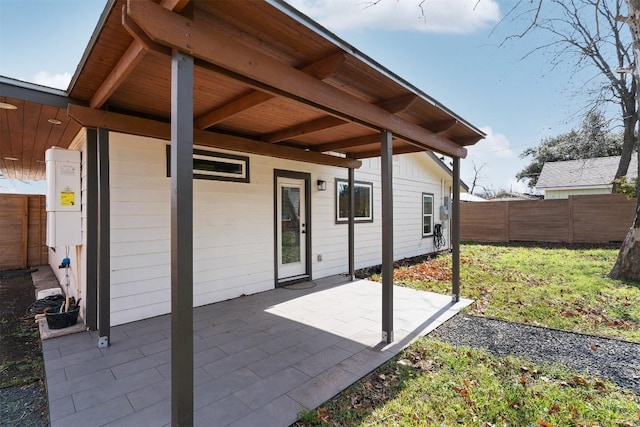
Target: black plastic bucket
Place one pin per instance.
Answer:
(62, 320)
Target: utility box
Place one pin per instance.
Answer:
(445, 209)
(63, 197)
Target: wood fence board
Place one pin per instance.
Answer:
(22, 231)
(486, 225)
(600, 218)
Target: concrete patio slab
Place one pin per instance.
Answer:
(260, 359)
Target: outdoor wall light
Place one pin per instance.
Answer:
(322, 185)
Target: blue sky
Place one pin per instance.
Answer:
(453, 53)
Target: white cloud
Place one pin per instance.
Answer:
(493, 145)
(437, 16)
(498, 161)
(59, 81)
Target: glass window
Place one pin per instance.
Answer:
(427, 214)
(363, 201)
(216, 166)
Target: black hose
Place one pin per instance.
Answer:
(438, 238)
(51, 304)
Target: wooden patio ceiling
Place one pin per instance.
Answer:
(267, 80)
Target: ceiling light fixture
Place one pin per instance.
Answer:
(54, 121)
(7, 106)
(13, 159)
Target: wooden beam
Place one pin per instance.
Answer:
(320, 70)
(125, 65)
(231, 109)
(467, 140)
(441, 126)
(128, 61)
(326, 67)
(216, 47)
(376, 153)
(306, 128)
(91, 118)
(399, 104)
(347, 143)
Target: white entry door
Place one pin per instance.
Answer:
(291, 226)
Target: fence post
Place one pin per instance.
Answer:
(507, 221)
(570, 217)
(25, 231)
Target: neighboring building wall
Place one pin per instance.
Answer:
(564, 194)
(233, 226)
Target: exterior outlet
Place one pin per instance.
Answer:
(319, 257)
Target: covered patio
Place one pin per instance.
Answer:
(258, 360)
(256, 78)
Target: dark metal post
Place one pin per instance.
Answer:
(181, 239)
(104, 240)
(352, 209)
(455, 231)
(387, 236)
(91, 196)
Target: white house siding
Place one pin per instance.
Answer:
(564, 194)
(233, 225)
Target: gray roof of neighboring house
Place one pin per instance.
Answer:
(583, 173)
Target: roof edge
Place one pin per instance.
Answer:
(303, 19)
(444, 167)
(92, 41)
(32, 92)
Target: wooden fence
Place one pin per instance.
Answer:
(580, 219)
(23, 231)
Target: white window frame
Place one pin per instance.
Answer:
(357, 184)
(426, 215)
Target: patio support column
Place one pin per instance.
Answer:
(455, 232)
(387, 236)
(91, 195)
(104, 240)
(352, 209)
(181, 239)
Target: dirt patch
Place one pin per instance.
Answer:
(22, 388)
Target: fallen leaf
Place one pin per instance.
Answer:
(554, 409)
(544, 424)
(594, 347)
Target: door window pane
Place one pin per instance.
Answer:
(290, 225)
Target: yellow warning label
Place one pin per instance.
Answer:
(67, 198)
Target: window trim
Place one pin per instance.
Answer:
(424, 215)
(367, 184)
(208, 155)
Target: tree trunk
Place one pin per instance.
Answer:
(629, 138)
(627, 265)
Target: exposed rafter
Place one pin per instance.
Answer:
(441, 126)
(376, 153)
(304, 129)
(322, 69)
(347, 143)
(92, 118)
(216, 47)
(397, 105)
(134, 54)
(469, 140)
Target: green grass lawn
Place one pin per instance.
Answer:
(553, 287)
(432, 383)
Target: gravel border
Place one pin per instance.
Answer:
(615, 360)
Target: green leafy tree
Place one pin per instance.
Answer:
(592, 139)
